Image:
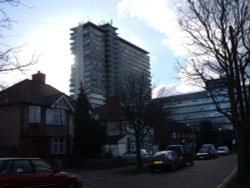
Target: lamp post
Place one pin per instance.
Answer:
(151, 141)
(193, 137)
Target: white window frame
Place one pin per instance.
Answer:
(58, 146)
(34, 114)
(174, 135)
(56, 116)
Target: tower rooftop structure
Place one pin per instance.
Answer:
(103, 60)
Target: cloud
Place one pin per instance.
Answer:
(153, 58)
(166, 90)
(137, 41)
(54, 60)
(160, 15)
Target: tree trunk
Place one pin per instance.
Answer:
(247, 134)
(242, 150)
(138, 152)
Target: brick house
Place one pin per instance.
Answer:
(172, 133)
(112, 118)
(163, 134)
(117, 139)
(36, 120)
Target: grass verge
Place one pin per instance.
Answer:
(234, 184)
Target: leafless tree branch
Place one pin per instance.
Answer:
(9, 56)
(220, 33)
(141, 112)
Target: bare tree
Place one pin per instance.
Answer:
(220, 62)
(162, 92)
(9, 60)
(141, 112)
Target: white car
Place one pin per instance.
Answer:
(223, 150)
(132, 155)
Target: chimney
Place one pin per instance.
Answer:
(39, 77)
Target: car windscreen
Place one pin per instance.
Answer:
(203, 151)
(186, 148)
(159, 155)
(176, 149)
(5, 167)
(221, 149)
(42, 166)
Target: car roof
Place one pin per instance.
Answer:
(222, 147)
(165, 151)
(207, 145)
(174, 145)
(18, 158)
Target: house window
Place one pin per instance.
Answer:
(58, 146)
(173, 134)
(55, 117)
(34, 114)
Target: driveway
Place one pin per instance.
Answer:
(204, 174)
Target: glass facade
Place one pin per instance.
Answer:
(193, 108)
(101, 61)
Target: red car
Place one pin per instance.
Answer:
(34, 172)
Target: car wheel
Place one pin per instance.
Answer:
(192, 162)
(184, 164)
(71, 184)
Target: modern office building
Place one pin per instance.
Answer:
(103, 60)
(193, 108)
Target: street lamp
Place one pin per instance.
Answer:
(193, 145)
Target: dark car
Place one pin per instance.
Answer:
(211, 150)
(203, 154)
(34, 172)
(165, 160)
(184, 152)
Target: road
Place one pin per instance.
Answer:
(204, 174)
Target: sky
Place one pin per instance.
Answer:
(43, 28)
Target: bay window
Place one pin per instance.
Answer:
(55, 117)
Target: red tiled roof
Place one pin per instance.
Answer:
(30, 91)
(111, 110)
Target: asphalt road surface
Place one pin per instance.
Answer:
(203, 174)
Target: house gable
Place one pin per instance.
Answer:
(36, 120)
(63, 103)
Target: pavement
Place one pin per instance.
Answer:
(228, 178)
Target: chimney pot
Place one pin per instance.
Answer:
(39, 77)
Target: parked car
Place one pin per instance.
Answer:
(223, 150)
(34, 172)
(131, 155)
(165, 160)
(183, 151)
(211, 149)
(203, 154)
